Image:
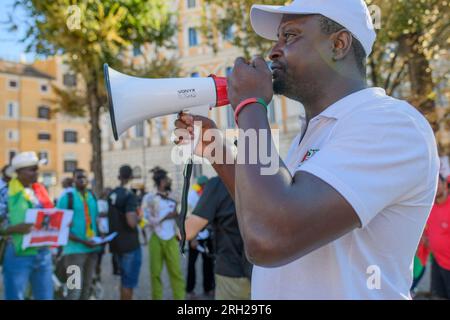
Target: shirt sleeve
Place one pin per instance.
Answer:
(375, 162)
(207, 204)
(63, 202)
(132, 203)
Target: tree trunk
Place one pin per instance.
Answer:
(421, 79)
(96, 139)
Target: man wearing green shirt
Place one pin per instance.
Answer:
(81, 251)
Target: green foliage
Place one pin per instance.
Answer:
(88, 33)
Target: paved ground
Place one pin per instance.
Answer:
(111, 283)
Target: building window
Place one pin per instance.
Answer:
(44, 88)
(44, 136)
(12, 135)
(70, 166)
(195, 75)
(12, 110)
(229, 34)
(137, 173)
(44, 112)
(13, 84)
(193, 40)
(69, 80)
(11, 155)
(48, 179)
(70, 136)
(137, 51)
(191, 4)
(43, 155)
(139, 130)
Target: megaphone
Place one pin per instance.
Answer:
(132, 99)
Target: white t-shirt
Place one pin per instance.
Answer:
(158, 207)
(193, 198)
(380, 154)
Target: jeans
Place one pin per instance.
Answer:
(21, 271)
(130, 266)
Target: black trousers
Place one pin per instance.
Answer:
(440, 281)
(208, 267)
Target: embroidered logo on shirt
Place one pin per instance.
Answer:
(309, 154)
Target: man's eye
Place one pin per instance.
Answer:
(288, 36)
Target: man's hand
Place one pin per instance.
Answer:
(193, 243)
(250, 80)
(184, 130)
(90, 244)
(21, 228)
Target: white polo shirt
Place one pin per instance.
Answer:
(380, 154)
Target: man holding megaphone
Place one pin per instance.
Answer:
(342, 216)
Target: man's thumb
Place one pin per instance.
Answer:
(260, 63)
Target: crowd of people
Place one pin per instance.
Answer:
(45, 273)
(212, 230)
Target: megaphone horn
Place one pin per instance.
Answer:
(132, 99)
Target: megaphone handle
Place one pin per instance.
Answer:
(187, 173)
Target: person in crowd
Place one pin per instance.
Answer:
(437, 234)
(81, 250)
(24, 267)
(201, 245)
(67, 186)
(161, 211)
(123, 219)
(232, 269)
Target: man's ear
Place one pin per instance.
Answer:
(342, 43)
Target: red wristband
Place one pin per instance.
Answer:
(245, 103)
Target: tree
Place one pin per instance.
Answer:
(411, 41)
(234, 14)
(89, 33)
(407, 59)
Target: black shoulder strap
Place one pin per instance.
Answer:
(70, 201)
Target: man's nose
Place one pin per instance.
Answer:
(275, 52)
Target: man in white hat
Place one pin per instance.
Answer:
(31, 266)
(342, 217)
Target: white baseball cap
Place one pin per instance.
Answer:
(26, 159)
(351, 14)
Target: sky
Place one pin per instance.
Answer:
(10, 46)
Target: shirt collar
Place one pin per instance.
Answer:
(348, 103)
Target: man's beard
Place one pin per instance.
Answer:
(285, 85)
(300, 90)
